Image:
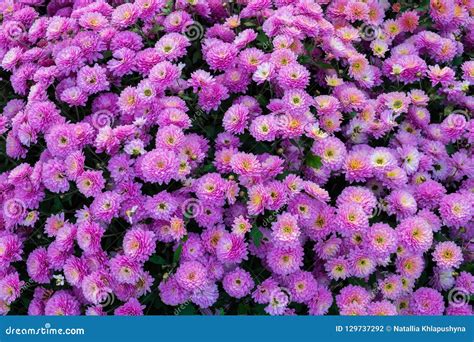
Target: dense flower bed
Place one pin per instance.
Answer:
(236, 157)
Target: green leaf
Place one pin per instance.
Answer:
(177, 254)
(210, 131)
(188, 309)
(157, 29)
(208, 168)
(158, 260)
(458, 61)
(450, 148)
(107, 54)
(314, 161)
(57, 205)
(424, 5)
(304, 59)
(263, 41)
(259, 309)
(196, 56)
(356, 281)
(242, 309)
(256, 236)
(323, 65)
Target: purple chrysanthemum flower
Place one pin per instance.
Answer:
(238, 283)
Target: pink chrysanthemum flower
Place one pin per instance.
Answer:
(426, 301)
(191, 275)
(337, 268)
(75, 269)
(54, 176)
(235, 119)
(171, 292)
(206, 296)
(320, 222)
(219, 55)
(106, 206)
(238, 283)
(382, 308)
(428, 193)
(456, 210)
(241, 225)
(401, 203)
(285, 229)
(125, 15)
(410, 266)
(279, 301)
(321, 302)
(381, 239)
(159, 166)
(391, 286)
(88, 236)
(351, 218)
(210, 187)
(357, 166)
(352, 294)
(10, 249)
(93, 21)
(139, 244)
(245, 164)
(332, 152)
(69, 59)
(408, 21)
(415, 234)
(454, 126)
(459, 310)
(447, 255)
(303, 286)
(285, 259)
(62, 303)
(262, 293)
(10, 287)
(329, 248)
(193, 248)
(362, 264)
(161, 206)
(231, 248)
(358, 195)
(90, 183)
(92, 79)
(293, 76)
(131, 308)
(172, 46)
(125, 269)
